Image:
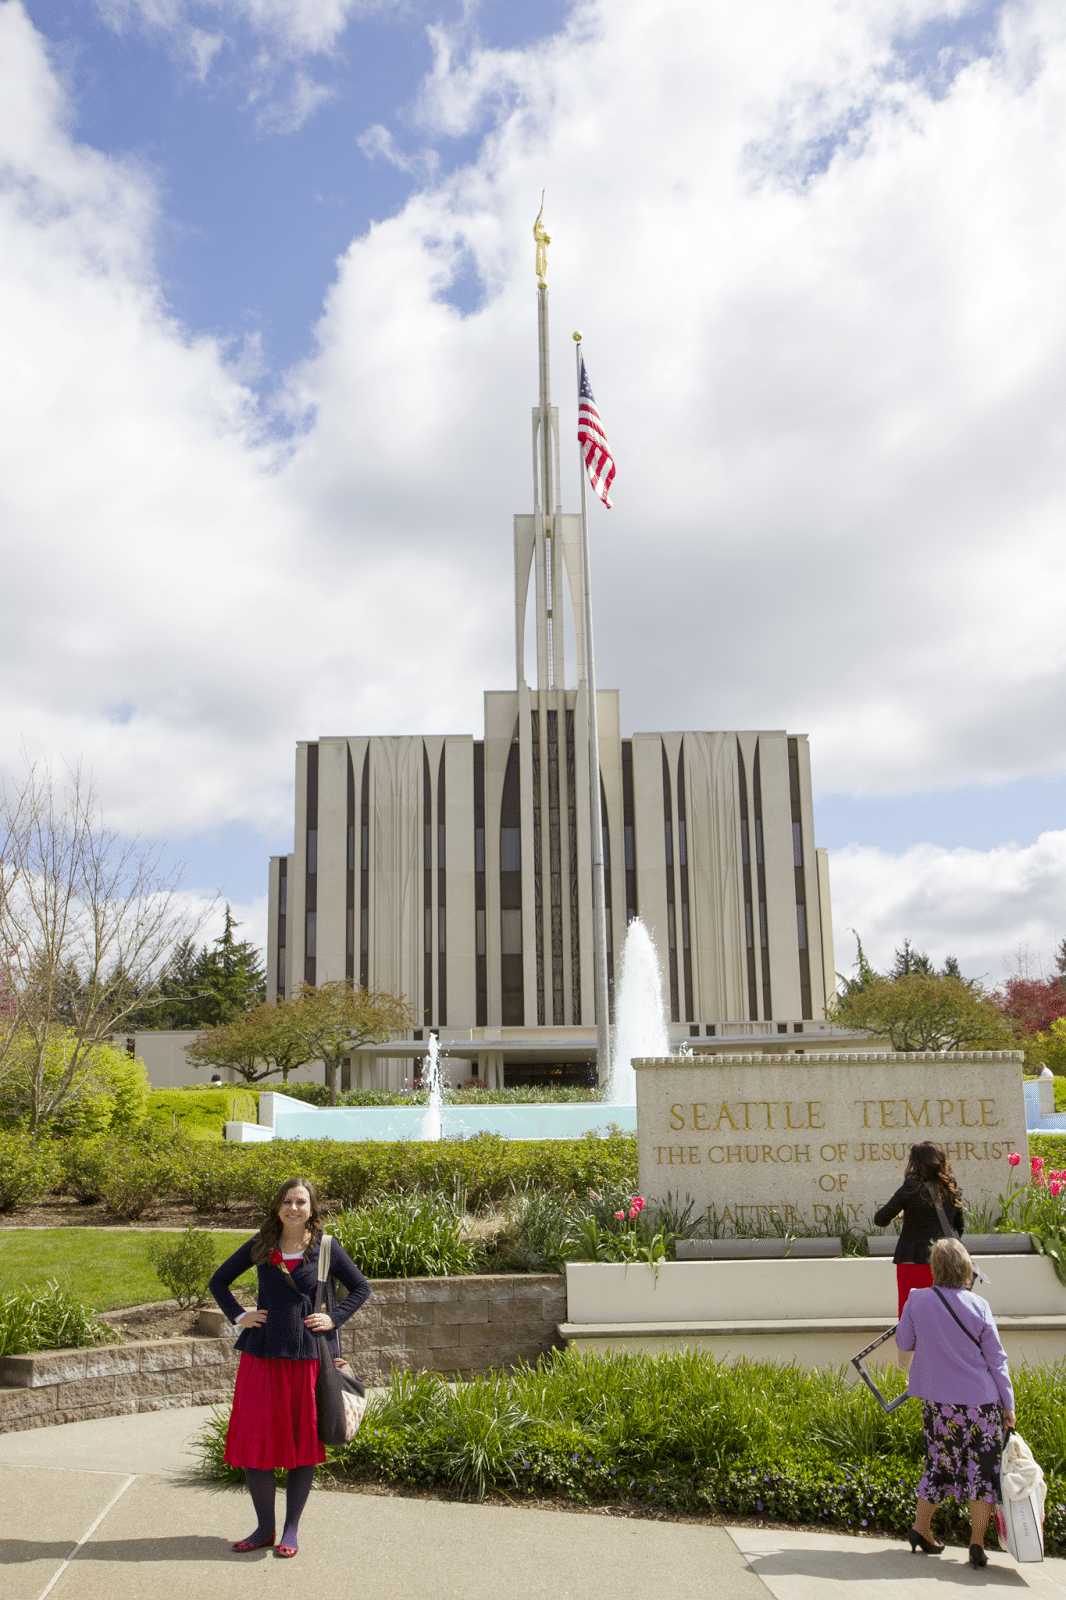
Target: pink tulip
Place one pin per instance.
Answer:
(633, 1213)
(1014, 1158)
(1055, 1187)
(1037, 1164)
(638, 1202)
(620, 1215)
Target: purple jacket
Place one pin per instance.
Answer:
(948, 1367)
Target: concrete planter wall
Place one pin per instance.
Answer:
(978, 1244)
(757, 1249)
(456, 1326)
(815, 1312)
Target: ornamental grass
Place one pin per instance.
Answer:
(678, 1433)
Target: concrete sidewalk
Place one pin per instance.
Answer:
(108, 1510)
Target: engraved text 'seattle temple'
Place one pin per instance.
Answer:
(457, 870)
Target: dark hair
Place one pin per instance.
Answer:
(929, 1164)
(269, 1234)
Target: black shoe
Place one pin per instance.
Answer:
(919, 1542)
(977, 1556)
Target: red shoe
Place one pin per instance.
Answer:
(286, 1550)
(244, 1545)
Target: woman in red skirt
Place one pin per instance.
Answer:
(274, 1423)
(928, 1182)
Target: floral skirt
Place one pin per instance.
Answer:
(274, 1421)
(963, 1445)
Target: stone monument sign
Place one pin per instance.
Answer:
(796, 1136)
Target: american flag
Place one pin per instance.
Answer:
(593, 441)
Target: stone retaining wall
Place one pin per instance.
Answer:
(113, 1381)
(456, 1326)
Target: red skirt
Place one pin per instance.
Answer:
(912, 1275)
(274, 1421)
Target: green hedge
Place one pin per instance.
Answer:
(153, 1164)
(680, 1432)
(1052, 1146)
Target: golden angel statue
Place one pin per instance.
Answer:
(543, 238)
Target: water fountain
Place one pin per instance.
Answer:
(640, 1027)
(432, 1079)
(640, 1030)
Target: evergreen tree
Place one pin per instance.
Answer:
(210, 987)
(907, 960)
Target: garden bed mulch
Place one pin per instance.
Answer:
(162, 1319)
(59, 1211)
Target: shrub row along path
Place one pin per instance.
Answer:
(108, 1510)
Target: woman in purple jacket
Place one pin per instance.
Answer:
(960, 1374)
(274, 1422)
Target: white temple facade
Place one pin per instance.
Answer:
(457, 872)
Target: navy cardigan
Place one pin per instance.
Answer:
(921, 1225)
(283, 1336)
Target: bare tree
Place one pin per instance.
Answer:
(87, 920)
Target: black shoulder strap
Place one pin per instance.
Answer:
(959, 1320)
(945, 1226)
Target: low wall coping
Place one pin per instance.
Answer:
(576, 1331)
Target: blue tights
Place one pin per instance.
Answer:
(260, 1483)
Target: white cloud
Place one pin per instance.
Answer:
(836, 398)
(297, 26)
(983, 906)
(378, 141)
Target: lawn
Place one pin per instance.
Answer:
(103, 1268)
(202, 1113)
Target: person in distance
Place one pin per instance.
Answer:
(927, 1182)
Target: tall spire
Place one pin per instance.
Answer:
(538, 542)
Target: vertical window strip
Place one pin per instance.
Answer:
(760, 866)
(538, 867)
(364, 873)
(608, 913)
(682, 851)
(571, 828)
(671, 923)
(427, 890)
(311, 876)
(745, 853)
(481, 985)
(800, 878)
(442, 892)
(555, 869)
(512, 980)
(283, 905)
(349, 876)
(629, 830)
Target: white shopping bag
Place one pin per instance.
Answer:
(1022, 1492)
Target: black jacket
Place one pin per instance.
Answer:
(921, 1225)
(283, 1335)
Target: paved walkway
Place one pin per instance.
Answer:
(107, 1511)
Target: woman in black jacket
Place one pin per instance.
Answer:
(928, 1182)
(274, 1422)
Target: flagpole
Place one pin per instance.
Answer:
(599, 916)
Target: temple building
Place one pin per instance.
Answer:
(456, 870)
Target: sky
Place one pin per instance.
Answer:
(268, 312)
